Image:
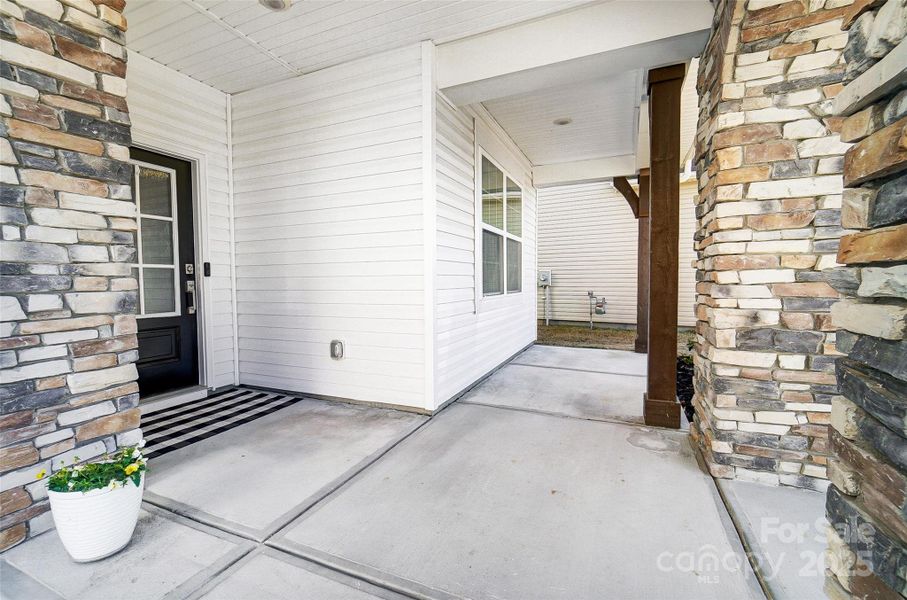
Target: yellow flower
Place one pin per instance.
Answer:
(41, 474)
(132, 469)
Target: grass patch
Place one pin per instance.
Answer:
(577, 336)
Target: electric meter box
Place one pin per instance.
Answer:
(544, 277)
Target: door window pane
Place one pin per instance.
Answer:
(157, 242)
(154, 192)
(514, 209)
(160, 296)
(155, 267)
(514, 265)
(492, 263)
(492, 194)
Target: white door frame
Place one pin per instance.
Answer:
(198, 159)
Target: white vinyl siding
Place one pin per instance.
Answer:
(168, 107)
(588, 238)
(329, 231)
(469, 342)
(686, 283)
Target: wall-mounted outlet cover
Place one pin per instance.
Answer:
(336, 349)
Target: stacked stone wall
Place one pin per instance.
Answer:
(769, 158)
(67, 336)
(867, 501)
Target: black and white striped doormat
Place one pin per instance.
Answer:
(176, 427)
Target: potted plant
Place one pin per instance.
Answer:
(95, 505)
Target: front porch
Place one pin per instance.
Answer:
(553, 494)
(318, 226)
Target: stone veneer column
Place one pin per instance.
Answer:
(769, 160)
(67, 337)
(867, 503)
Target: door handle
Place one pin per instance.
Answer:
(190, 297)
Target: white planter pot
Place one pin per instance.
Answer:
(93, 525)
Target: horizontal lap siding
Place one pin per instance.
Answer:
(588, 237)
(329, 231)
(168, 105)
(686, 290)
(469, 344)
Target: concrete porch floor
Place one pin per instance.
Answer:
(587, 383)
(513, 492)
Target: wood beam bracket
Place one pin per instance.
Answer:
(623, 186)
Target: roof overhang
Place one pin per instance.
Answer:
(587, 43)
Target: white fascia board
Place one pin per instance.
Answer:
(583, 171)
(592, 41)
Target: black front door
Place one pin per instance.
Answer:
(165, 270)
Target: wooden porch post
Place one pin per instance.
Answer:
(642, 265)
(660, 403)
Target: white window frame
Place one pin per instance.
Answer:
(481, 226)
(140, 265)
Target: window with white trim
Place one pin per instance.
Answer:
(502, 231)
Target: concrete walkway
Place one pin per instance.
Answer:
(588, 383)
(284, 462)
(785, 531)
(509, 493)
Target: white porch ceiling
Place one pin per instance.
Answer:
(587, 65)
(606, 117)
(602, 112)
(576, 59)
(236, 45)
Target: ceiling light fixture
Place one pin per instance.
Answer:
(276, 5)
(563, 121)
